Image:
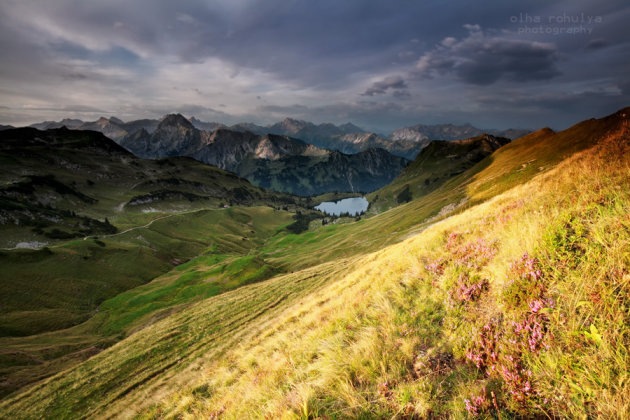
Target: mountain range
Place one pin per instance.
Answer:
(406, 142)
(271, 161)
(346, 138)
(292, 156)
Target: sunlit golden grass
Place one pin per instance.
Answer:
(369, 345)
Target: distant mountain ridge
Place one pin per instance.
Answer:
(277, 162)
(421, 133)
(112, 127)
(346, 138)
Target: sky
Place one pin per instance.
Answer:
(379, 64)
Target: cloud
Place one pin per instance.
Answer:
(596, 44)
(624, 87)
(78, 108)
(483, 59)
(381, 87)
(144, 58)
(401, 94)
(449, 41)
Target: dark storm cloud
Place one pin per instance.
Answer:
(69, 108)
(144, 57)
(596, 44)
(483, 59)
(314, 42)
(624, 86)
(395, 83)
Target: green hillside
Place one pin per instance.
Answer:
(62, 184)
(438, 162)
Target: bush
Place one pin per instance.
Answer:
(524, 282)
(405, 195)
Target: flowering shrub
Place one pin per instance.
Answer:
(537, 305)
(436, 267)
(518, 380)
(475, 254)
(469, 289)
(471, 255)
(524, 281)
(530, 332)
(506, 213)
(477, 404)
(501, 354)
(453, 240)
(483, 350)
(500, 349)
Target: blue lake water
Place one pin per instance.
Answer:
(354, 206)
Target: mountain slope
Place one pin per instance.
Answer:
(437, 162)
(68, 180)
(59, 185)
(66, 122)
(83, 220)
(390, 332)
(309, 131)
(174, 136)
(360, 141)
(334, 171)
(111, 127)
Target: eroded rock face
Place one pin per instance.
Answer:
(271, 161)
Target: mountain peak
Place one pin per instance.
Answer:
(175, 120)
(289, 120)
(545, 130)
(351, 128)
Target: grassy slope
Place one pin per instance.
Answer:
(50, 289)
(434, 165)
(67, 182)
(223, 239)
(71, 280)
(351, 239)
(394, 337)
